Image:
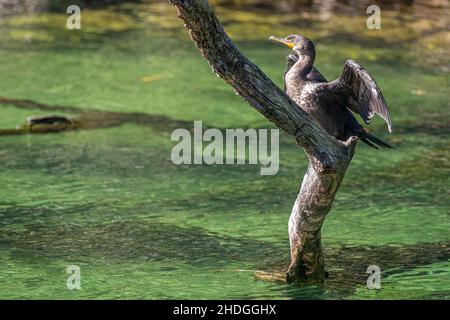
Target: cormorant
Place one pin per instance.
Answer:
(329, 102)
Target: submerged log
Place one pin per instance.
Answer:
(328, 157)
(43, 124)
(86, 118)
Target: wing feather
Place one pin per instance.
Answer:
(359, 92)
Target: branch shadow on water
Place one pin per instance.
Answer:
(89, 119)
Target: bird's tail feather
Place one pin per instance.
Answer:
(373, 141)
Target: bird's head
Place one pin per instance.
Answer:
(301, 45)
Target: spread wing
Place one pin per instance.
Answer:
(358, 91)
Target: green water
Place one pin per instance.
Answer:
(110, 201)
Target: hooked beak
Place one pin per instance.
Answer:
(283, 41)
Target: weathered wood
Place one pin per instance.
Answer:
(328, 157)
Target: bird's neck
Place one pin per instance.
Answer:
(296, 78)
(302, 67)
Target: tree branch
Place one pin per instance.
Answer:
(328, 157)
(250, 82)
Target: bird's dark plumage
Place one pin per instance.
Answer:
(330, 102)
(358, 91)
(314, 75)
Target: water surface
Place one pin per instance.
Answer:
(109, 200)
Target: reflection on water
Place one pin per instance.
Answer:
(109, 200)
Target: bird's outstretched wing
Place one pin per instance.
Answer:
(357, 90)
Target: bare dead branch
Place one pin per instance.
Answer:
(328, 157)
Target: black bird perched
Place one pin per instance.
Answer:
(329, 102)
